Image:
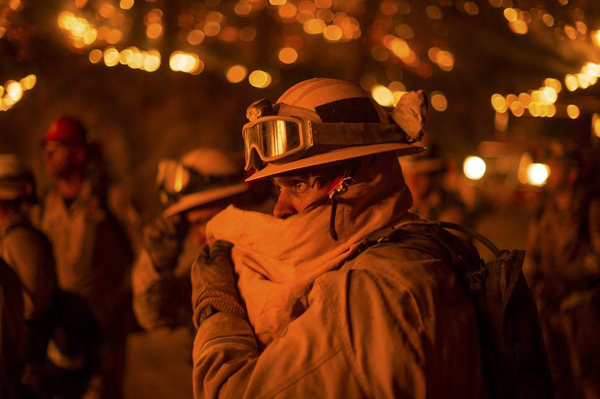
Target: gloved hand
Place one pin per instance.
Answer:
(213, 281)
(163, 239)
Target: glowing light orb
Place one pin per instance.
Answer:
(537, 174)
(474, 167)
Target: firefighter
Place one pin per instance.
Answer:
(293, 305)
(87, 218)
(195, 188)
(28, 252)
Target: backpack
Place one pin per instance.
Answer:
(512, 346)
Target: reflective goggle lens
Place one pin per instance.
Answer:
(272, 139)
(172, 176)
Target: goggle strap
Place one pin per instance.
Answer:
(357, 133)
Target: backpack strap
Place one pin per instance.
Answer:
(432, 238)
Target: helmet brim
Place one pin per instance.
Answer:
(341, 154)
(194, 200)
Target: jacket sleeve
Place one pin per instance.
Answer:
(309, 360)
(30, 256)
(157, 298)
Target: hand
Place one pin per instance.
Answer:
(163, 239)
(213, 281)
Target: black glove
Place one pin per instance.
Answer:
(163, 239)
(213, 281)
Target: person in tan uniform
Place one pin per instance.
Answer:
(195, 189)
(28, 252)
(87, 219)
(296, 304)
(563, 271)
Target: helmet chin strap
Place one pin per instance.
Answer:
(338, 187)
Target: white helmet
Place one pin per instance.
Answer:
(202, 176)
(16, 182)
(320, 121)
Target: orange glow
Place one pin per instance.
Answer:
(154, 31)
(499, 103)
(259, 79)
(247, 34)
(212, 28)
(242, 8)
(277, 2)
(287, 11)
(314, 26)
(95, 56)
(548, 20)
(596, 37)
(195, 37)
(510, 14)
(571, 82)
(471, 8)
(114, 36)
(519, 27)
(111, 56)
(439, 101)
(28, 82)
(126, 4)
(236, 73)
(382, 95)
(323, 3)
(433, 12)
(573, 111)
(288, 55)
(106, 10)
(332, 33)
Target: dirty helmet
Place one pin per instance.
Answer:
(16, 181)
(202, 176)
(320, 121)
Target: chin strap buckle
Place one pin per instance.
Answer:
(340, 187)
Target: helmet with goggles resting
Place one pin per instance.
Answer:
(321, 121)
(201, 177)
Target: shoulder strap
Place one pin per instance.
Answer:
(433, 239)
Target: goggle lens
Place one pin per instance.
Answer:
(271, 139)
(172, 177)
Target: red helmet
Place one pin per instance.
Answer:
(67, 130)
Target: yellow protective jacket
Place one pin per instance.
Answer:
(327, 323)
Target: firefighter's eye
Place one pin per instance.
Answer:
(300, 186)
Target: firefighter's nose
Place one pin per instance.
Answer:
(284, 207)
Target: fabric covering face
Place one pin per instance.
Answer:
(278, 260)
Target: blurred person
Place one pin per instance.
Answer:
(563, 270)
(195, 188)
(424, 175)
(28, 252)
(318, 314)
(87, 217)
(12, 334)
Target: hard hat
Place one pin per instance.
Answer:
(320, 121)
(67, 130)
(202, 176)
(16, 182)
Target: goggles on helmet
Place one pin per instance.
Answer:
(175, 180)
(283, 138)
